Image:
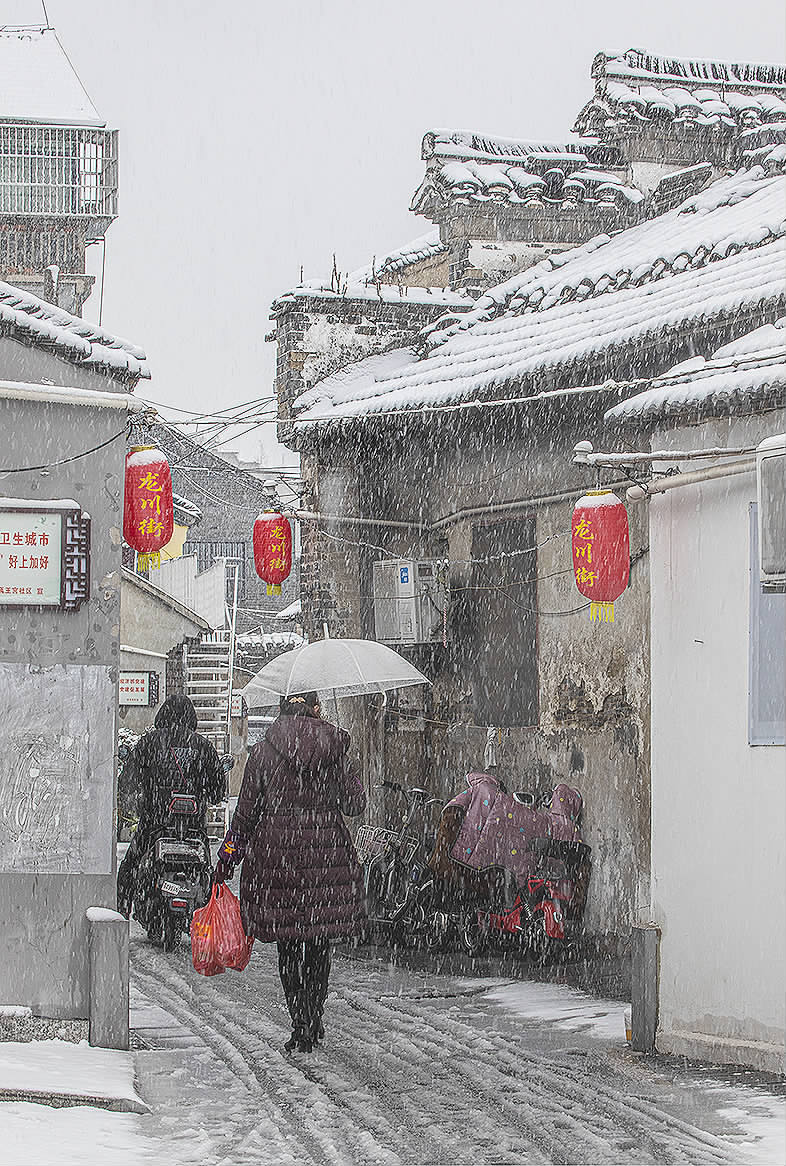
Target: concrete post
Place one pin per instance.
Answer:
(644, 988)
(108, 978)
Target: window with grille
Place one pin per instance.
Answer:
(52, 170)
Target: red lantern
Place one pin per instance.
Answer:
(601, 551)
(272, 549)
(148, 513)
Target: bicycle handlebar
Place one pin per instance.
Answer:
(414, 793)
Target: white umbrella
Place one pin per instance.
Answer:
(344, 667)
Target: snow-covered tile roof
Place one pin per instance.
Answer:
(465, 168)
(295, 609)
(38, 322)
(424, 247)
(270, 640)
(743, 376)
(383, 292)
(474, 182)
(720, 252)
(38, 82)
(637, 86)
(465, 144)
(366, 283)
(765, 146)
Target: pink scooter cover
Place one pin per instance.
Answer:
(498, 831)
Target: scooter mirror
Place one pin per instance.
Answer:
(524, 799)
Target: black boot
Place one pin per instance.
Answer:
(300, 1042)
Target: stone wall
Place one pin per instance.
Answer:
(592, 722)
(315, 335)
(44, 964)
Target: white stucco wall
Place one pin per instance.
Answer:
(718, 804)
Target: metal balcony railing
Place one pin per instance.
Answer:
(58, 171)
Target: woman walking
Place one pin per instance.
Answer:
(301, 883)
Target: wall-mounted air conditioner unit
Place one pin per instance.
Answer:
(410, 599)
(771, 493)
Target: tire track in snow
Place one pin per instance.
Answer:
(541, 1118)
(304, 1147)
(341, 1138)
(345, 1075)
(557, 1081)
(428, 1089)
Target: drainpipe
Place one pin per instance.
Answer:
(354, 520)
(661, 485)
(520, 504)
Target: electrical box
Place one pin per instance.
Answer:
(410, 601)
(771, 494)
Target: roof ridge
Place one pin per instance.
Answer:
(471, 144)
(692, 69)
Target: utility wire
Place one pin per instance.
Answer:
(63, 461)
(215, 413)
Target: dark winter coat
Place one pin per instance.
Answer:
(175, 757)
(301, 878)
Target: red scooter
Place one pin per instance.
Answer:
(503, 868)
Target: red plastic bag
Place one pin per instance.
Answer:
(218, 940)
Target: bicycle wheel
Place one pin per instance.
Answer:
(474, 932)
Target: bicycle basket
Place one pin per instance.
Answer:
(371, 840)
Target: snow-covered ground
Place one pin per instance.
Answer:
(61, 1067)
(419, 1067)
(38, 1135)
(52, 1134)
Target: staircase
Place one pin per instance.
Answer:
(209, 685)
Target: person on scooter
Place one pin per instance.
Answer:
(172, 757)
(301, 883)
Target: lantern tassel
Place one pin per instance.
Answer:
(602, 612)
(151, 559)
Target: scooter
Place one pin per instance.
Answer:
(173, 876)
(531, 881)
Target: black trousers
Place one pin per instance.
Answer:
(304, 967)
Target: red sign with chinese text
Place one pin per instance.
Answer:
(273, 550)
(601, 550)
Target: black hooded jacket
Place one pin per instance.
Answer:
(174, 757)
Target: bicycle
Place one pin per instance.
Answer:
(395, 867)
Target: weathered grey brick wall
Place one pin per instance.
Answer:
(317, 335)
